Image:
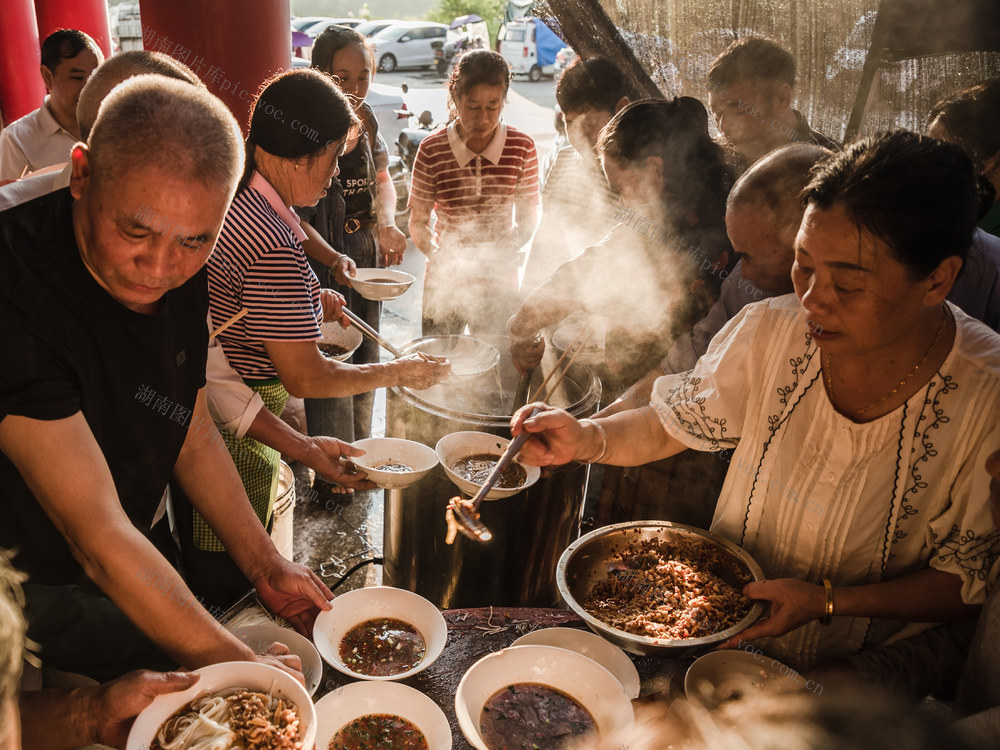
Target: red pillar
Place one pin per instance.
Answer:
(89, 16)
(234, 46)
(21, 87)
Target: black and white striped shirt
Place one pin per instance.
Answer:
(259, 264)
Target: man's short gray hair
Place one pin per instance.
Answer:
(775, 183)
(119, 68)
(154, 121)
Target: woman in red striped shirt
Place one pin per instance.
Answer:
(480, 178)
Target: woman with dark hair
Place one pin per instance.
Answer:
(480, 177)
(860, 412)
(652, 276)
(357, 216)
(298, 128)
(971, 119)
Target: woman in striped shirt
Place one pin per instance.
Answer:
(299, 126)
(480, 177)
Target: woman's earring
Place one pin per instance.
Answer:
(296, 167)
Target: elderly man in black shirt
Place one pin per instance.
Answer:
(103, 297)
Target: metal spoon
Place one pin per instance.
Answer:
(463, 515)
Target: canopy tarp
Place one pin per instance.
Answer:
(936, 48)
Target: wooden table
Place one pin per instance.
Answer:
(474, 633)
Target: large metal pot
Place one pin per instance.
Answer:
(530, 529)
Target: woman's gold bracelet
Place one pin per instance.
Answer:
(828, 616)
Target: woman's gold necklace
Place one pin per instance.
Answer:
(829, 370)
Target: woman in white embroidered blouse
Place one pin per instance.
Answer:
(859, 411)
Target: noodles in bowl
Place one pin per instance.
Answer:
(236, 718)
(240, 705)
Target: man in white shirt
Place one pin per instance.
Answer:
(45, 136)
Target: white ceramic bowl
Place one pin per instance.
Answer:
(260, 637)
(343, 705)
(419, 457)
(245, 674)
(458, 445)
(374, 602)
(592, 646)
(469, 357)
(347, 338)
(724, 675)
(381, 283)
(583, 680)
(593, 352)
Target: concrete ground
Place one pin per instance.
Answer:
(334, 533)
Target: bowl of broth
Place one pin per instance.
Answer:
(380, 714)
(381, 283)
(394, 463)
(337, 342)
(380, 633)
(468, 458)
(538, 696)
(593, 647)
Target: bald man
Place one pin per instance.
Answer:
(104, 300)
(763, 214)
(105, 77)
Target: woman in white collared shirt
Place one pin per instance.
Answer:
(480, 177)
(860, 412)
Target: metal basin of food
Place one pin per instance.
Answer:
(590, 560)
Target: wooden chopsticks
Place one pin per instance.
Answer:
(228, 323)
(572, 348)
(371, 333)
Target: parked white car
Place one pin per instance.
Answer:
(371, 28)
(314, 30)
(407, 44)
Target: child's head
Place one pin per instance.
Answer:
(478, 88)
(343, 53)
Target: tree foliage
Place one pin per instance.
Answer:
(491, 11)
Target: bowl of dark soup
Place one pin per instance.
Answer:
(538, 696)
(380, 633)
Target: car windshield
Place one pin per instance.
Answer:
(370, 29)
(391, 31)
(514, 34)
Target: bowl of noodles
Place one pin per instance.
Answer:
(468, 458)
(659, 588)
(251, 705)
